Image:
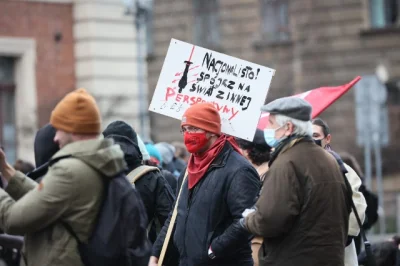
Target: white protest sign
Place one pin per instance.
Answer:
(192, 74)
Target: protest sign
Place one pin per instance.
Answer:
(192, 74)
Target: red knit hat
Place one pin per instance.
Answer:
(204, 116)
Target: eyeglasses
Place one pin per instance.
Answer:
(191, 130)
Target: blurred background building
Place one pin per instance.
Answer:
(50, 47)
(310, 43)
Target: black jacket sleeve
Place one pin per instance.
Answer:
(171, 179)
(164, 199)
(242, 194)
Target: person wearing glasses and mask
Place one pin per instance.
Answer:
(219, 186)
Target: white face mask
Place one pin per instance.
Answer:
(269, 136)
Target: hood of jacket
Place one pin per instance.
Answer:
(44, 146)
(125, 136)
(101, 154)
(132, 154)
(143, 150)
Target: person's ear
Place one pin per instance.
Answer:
(328, 139)
(289, 128)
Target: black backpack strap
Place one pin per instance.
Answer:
(53, 161)
(71, 231)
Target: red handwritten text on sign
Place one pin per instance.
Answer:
(183, 98)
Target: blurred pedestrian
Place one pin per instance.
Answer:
(45, 147)
(156, 160)
(71, 190)
(153, 188)
(323, 137)
(180, 151)
(23, 166)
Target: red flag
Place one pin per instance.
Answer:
(320, 99)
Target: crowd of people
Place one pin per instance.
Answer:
(285, 198)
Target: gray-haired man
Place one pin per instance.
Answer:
(303, 209)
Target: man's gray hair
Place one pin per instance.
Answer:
(301, 128)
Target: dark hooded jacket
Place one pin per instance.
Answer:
(44, 148)
(153, 188)
(208, 214)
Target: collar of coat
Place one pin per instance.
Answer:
(287, 144)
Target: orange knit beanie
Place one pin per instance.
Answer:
(77, 113)
(204, 116)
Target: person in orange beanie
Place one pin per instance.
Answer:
(71, 191)
(220, 184)
(76, 117)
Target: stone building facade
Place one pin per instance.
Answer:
(51, 47)
(310, 43)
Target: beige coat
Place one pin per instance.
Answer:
(71, 191)
(350, 255)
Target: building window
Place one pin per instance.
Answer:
(393, 88)
(384, 13)
(275, 20)
(206, 27)
(7, 108)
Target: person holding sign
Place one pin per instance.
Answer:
(303, 209)
(218, 186)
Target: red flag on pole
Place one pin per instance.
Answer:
(320, 99)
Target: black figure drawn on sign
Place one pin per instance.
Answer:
(183, 82)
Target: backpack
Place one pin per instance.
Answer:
(140, 171)
(135, 175)
(119, 236)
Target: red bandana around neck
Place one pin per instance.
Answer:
(198, 164)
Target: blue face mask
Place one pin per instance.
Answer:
(269, 136)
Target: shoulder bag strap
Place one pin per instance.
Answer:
(171, 223)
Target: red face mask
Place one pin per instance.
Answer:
(195, 141)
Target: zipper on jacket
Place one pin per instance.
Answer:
(191, 194)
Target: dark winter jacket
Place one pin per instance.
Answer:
(209, 214)
(172, 180)
(385, 254)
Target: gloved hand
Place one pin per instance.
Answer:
(248, 211)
